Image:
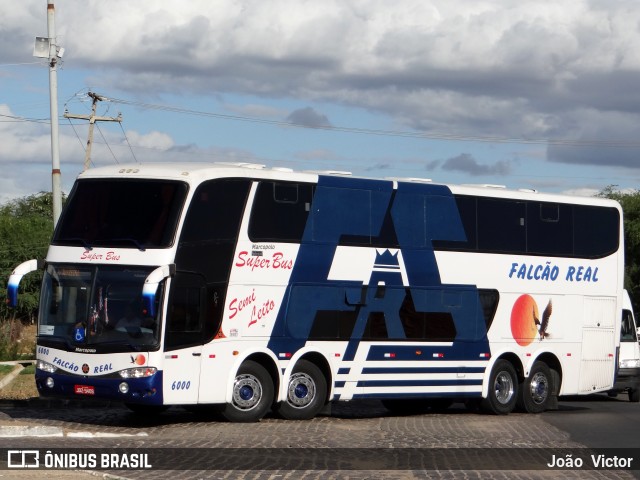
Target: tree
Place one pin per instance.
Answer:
(630, 202)
(26, 227)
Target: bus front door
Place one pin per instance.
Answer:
(183, 339)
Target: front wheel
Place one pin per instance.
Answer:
(634, 395)
(503, 389)
(252, 394)
(534, 395)
(306, 392)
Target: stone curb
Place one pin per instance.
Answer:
(7, 379)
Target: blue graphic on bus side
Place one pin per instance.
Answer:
(410, 217)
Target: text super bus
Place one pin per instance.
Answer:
(250, 289)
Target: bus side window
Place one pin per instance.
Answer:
(280, 211)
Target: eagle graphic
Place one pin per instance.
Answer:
(542, 325)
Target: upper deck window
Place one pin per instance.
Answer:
(529, 227)
(126, 213)
(280, 211)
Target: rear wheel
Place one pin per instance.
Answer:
(503, 389)
(306, 392)
(634, 395)
(252, 394)
(534, 395)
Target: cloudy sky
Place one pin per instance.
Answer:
(530, 94)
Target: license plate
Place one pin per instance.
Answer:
(84, 389)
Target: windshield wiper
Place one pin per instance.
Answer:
(79, 240)
(135, 242)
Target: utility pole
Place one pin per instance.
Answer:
(92, 120)
(56, 190)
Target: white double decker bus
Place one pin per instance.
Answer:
(253, 289)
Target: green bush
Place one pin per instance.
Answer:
(10, 331)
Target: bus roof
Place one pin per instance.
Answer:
(194, 173)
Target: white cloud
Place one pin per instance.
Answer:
(582, 192)
(156, 140)
(565, 70)
(403, 58)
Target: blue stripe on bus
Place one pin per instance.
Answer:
(418, 383)
(343, 371)
(401, 370)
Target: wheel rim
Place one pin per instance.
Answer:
(504, 387)
(539, 388)
(301, 391)
(247, 392)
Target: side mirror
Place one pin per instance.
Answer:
(16, 276)
(150, 287)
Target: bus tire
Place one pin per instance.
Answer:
(634, 395)
(503, 389)
(252, 394)
(306, 393)
(534, 395)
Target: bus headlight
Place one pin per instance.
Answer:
(139, 372)
(46, 367)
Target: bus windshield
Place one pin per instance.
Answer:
(96, 307)
(125, 213)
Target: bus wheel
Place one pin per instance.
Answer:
(535, 392)
(252, 394)
(306, 393)
(634, 395)
(503, 389)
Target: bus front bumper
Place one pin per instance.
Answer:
(147, 390)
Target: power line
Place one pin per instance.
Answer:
(389, 133)
(76, 132)
(129, 144)
(107, 144)
(16, 119)
(356, 130)
(17, 64)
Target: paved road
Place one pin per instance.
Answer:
(598, 421)
(361, 438)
